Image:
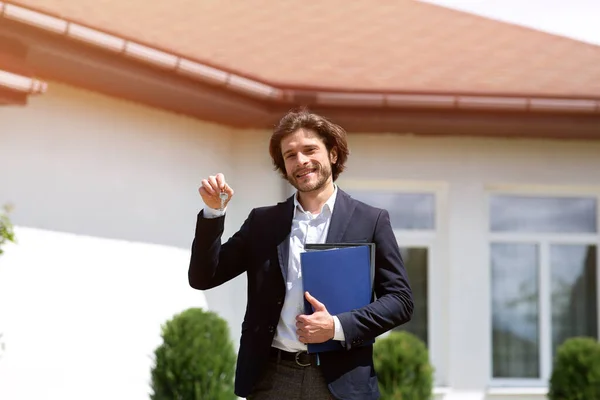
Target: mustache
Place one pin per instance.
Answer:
(301, 170)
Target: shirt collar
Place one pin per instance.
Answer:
(329, 204)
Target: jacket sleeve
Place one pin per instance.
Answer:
(394, 304)
(213, 263)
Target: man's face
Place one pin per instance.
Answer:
(307, 162)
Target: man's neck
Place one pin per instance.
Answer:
(314, 201)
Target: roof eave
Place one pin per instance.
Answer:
(12, 97)
(23, 84)
(271, 93)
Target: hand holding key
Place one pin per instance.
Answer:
(215, 192)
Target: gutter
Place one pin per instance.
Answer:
(21, 83)
(264, 91)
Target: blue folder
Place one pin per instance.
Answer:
(341, 277)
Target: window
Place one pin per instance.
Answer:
(417, 266)
(414, 215)
(409, 212)
(543, 214)
(544, 280)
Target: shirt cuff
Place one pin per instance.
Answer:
(210, 213)
(339, 332)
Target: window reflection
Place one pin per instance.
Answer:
(515, 310)
(407, 210)
(543, 214)
(574, 292)
(415, 262)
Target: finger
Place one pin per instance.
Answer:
(302, 318)
(220, 179)
(317, 305)
(301, 328)
(308, 339)
(207, 187)
(227, 189)
(213, 183)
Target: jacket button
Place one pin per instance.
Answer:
(279, 302)
(271, 329)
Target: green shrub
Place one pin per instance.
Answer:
(576, 373)
(403, 369)
(6, 228)
(6, 235)
(196, 359)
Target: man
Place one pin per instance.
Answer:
(310, 152)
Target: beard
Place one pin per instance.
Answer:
(318, 181)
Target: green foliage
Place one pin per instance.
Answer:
(6, 228)
(403, 369)
(6, 235)
(576, 373)
(196, 359)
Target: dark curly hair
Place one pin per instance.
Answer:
(333, 136)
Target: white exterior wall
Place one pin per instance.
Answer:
(105, 196)
(118, 175)
(81, 315)
(461, 171)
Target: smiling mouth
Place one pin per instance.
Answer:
(305, 173)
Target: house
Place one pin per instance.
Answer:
(481, 138)
(16, 87)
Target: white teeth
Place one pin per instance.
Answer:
(304, 174)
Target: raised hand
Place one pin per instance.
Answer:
(211, 190)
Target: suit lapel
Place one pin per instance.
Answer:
(342, 213)
(286, 213)
(340, 219)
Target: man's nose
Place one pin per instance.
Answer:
(302, 159)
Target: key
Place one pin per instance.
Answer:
(223, 196)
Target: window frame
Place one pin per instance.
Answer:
(436, 242)
(544, 241)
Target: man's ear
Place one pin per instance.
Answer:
(333, 155)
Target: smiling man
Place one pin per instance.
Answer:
(310, 152)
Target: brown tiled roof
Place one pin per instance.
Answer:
(361, 45)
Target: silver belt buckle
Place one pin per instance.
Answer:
(298, 360)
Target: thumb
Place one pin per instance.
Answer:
(317, 305)
(227, 189)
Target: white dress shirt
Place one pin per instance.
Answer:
(306, 228)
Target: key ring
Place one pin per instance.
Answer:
(223, 196)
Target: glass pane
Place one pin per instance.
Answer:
(543, 214)
(574, 292)
(407, 210)
(415, 262)
(515, 310)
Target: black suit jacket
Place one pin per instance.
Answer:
(260, 250)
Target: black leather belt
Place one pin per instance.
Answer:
(302, 358)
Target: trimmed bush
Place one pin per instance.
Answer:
(196, 359)
(6, 228)
(402, 366)
(576, 373)
(6, 235)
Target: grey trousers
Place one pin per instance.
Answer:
(285, 380)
